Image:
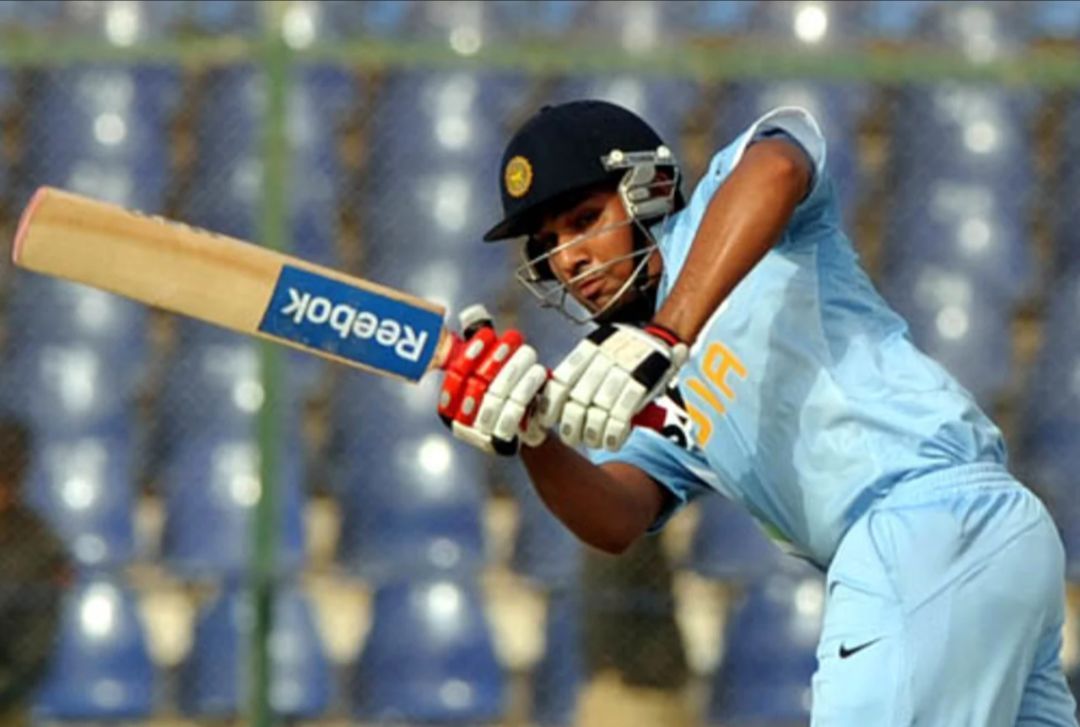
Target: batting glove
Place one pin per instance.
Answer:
(606, 379)
(489, 387)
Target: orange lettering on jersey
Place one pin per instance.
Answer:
(701, 423)
(716, 370)
(698, 387)
(718, 361)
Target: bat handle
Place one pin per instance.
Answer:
(652, 416)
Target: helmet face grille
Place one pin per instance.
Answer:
(648, 198)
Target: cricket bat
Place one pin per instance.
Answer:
(236, 285)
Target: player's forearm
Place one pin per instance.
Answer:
(597, 507)
(744, 220)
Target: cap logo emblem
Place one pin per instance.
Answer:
(518, 176)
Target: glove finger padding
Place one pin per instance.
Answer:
(608, 378)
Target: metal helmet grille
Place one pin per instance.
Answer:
(648, 199)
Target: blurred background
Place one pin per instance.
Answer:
(198, 529)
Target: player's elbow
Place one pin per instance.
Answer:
(615, 541)
(613, 546)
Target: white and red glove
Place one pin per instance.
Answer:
(608, 378)
(488, 390)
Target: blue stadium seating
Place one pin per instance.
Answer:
(959, 324)
(837, 108)
(85, 488)
(213, 386)
(790, 23)
(429, 657)
(65, 390)
(51, 311)
(1063, 210)
(769, 654)
(728, 545)
(119, 23)
(1055, 19)
(227, 190)
(411, 497)
(1066, 514)
(1049, 451)
(211, 488)
(103, 131)
(101, 669)
(215, 672)
(895, 20)
(430, 185)
(982, 31)
(223, 17)
(966, 227)
(663, 103)
(545, 551)
(6, 93)
(559, 676)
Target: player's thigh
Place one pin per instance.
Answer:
(1047, 700)
(862, 666)
(947, 623)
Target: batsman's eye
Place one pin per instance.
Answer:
(540, 244)
(585, 219)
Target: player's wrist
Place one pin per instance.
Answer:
(665, 333)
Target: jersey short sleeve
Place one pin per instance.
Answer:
(673, 467)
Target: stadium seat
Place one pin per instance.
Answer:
(214, 675)
(838, 109)
(85, 488)
(558, 678)
(211, 489)
(48, 310)
(227, 193)
(769, 654)
(66, 390)
(961, 226)
(6, 94)
(429, 187)
(664, 103)
(103, 131)
(119, 23)
(411, 496)
(226, 17)
(957, 323)
(1063, 211)
(891, 20)
(545, 551)
(814, 25)
(1055, 20)
(728, 545)
(101, 669)
(214, 386)
(545, 18)
(429, 657)
(1049, 443)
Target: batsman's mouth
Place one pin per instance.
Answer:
(591, 289)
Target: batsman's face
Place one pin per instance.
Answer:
(593, 244)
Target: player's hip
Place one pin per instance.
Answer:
(935, 531)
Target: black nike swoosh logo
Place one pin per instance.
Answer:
(845, 652)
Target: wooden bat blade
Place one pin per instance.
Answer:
(231, 283)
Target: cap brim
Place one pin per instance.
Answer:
(515, 225)
(503, 230)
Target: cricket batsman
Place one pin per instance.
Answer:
(789, 386)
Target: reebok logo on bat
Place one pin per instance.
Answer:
(349, 321)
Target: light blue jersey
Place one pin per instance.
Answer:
(809, 401)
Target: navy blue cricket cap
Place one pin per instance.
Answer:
(558, 151)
